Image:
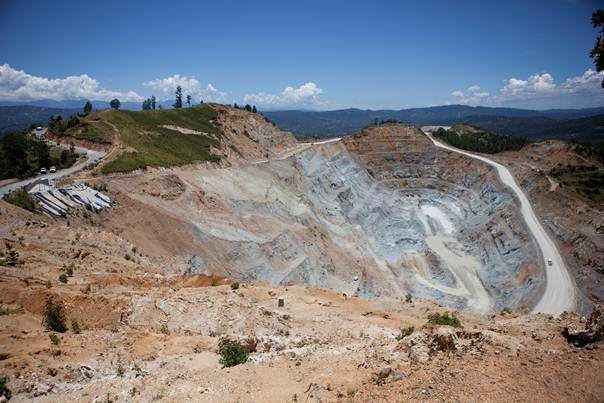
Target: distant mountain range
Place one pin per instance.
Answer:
(578, 124)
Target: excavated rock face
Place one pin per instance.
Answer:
(381, 213)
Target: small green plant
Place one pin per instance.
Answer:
(164, 329)
(120, 368)
(63, 278)
(21, 198)
(232, 353)
(444, 319)
(405, 331)
(506, 310)
(54, 339)
(75, 327)
(214, 282)
(235, 286)
(48, 284)
(127, 256)
(266, 312)
(4, 391)
(68, 269)
(408, 298)
(11, 256)
(53, 317)
(77, 236)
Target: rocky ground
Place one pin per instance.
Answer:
(356, 237)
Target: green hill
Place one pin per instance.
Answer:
(147, 141)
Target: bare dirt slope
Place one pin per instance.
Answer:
(146, 335)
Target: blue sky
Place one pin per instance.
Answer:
(306, 54)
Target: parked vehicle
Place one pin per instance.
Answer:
(52, 169)
(43, 171)
(549, 262)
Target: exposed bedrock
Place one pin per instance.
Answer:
(381, 213)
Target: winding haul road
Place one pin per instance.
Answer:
(560, 291)
(92, 156)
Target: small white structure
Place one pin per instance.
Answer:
(56, 201)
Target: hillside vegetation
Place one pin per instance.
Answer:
(148, 142)
(479, 140)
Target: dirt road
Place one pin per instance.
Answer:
(560, 290)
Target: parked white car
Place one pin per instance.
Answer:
(43, 171)
(52, 169)
(549, 262)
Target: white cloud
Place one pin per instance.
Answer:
(540, 91)
(166, 88)
(307, 94)
(472, 95)
(17, 85)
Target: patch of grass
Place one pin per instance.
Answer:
(235, 286)
(588, 181)
(63, 278)
(54, 339)
(155, 145)
(53, 317)
(10, 311)
(232, 353)
(444, 319)
(405, 331)
(87, 132)
(21, 198)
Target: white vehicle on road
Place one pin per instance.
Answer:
(52, 169)
(43, 171)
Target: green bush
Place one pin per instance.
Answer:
(63, 278)
(54, 339)
(4, 391)
(232, 353)
(21, 198)
(235, 286)
(53, 317)
(444, 319)
(408, 298)
(405, 331)
(75, 327)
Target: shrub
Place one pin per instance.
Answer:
(214, 282)
(68, 269)
(53, 317)
(235, 286)
(63, 278)
(48, 284)
(21, 198)
(405, 331)
(232, 353)
(75, 326)
(506, 310)
(54, 339)
(164, 329)
(4, 391)
(444, 319)
(120, 368)
(408, 298)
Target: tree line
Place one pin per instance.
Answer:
(22, 155)
(480, 141)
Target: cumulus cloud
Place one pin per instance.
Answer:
(307, 94)
(471, 95)
(165, 88)
(17, 85)
(540, 91)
